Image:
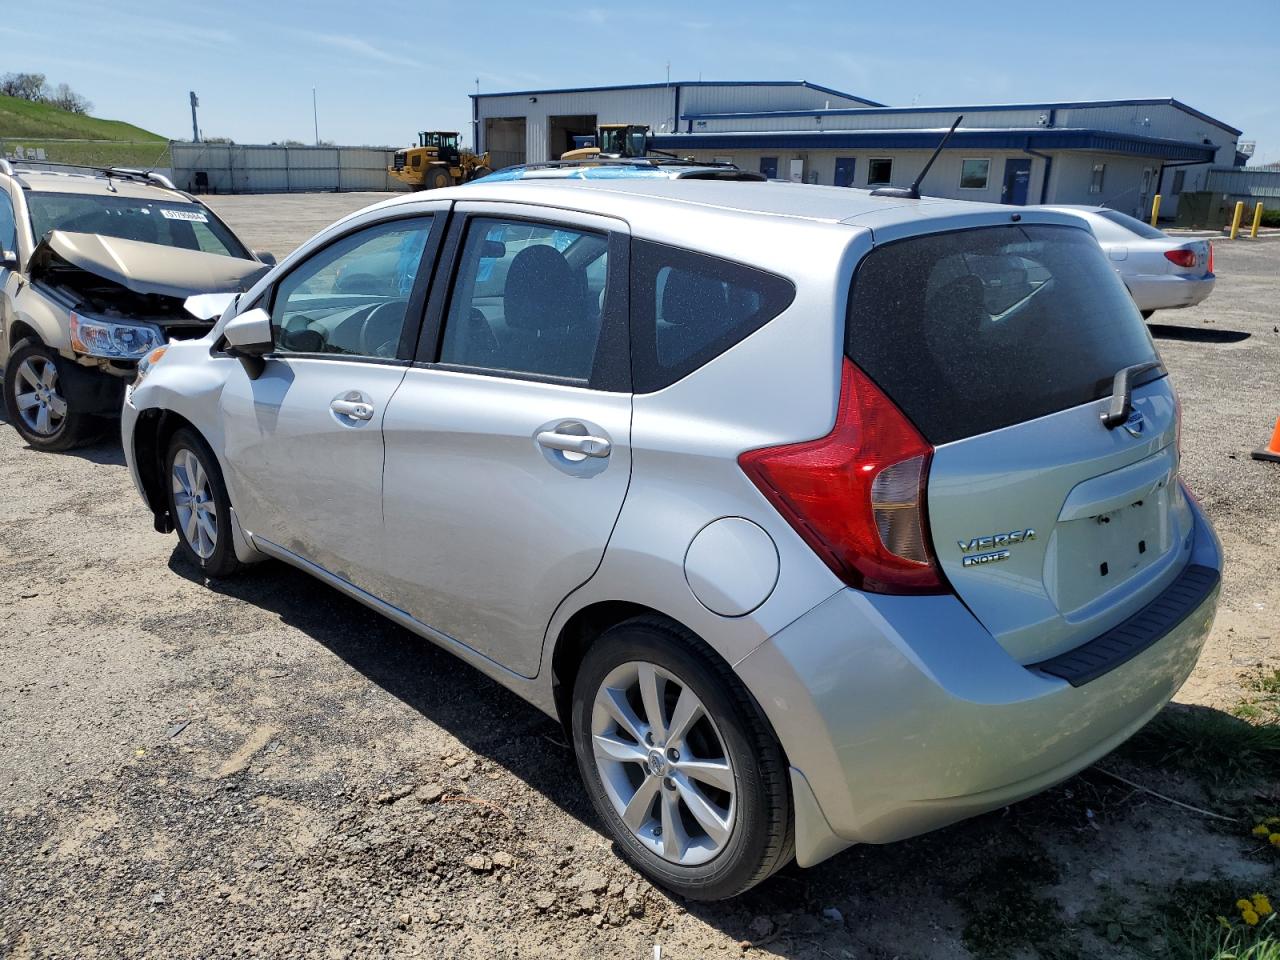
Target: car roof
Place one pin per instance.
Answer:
(94, 184)
(654, 197)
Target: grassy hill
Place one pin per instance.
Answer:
(64, 136)
(24, 119)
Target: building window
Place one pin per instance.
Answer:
(974, 174)
(879, 171)
(1099, 171)
(1179, 178)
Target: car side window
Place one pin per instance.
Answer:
(8, 224)
(527, 299)
(687, 308)
(352, 297)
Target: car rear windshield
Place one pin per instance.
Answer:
(1133, 225)
(975, 330)
(170, 224)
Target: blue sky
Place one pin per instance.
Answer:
(384, 69)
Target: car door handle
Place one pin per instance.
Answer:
(575, 443)
(355, 409)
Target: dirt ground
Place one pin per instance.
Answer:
(265, 768)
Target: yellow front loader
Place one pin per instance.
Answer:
(437, 162)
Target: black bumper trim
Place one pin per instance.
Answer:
(1125, 641)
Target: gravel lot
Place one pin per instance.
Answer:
(265, 768)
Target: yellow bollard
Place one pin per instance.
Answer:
(1155, 210)
(1236, 218)
(1257, 220)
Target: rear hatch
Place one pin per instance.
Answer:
(1001, 345)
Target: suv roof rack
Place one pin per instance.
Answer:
(117, 173)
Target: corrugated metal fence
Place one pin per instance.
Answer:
(250, 168)
(1261, 185)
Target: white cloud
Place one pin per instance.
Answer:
(361, 48)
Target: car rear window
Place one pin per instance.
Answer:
(975, 330)
(1133, 225)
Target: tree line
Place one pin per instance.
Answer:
(36, 88)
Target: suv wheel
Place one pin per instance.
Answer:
(199, 504)
(679, 762)
(35, 403)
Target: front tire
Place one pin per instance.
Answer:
(679, 762)
(438, 178)
(36, 402)
(199, 505)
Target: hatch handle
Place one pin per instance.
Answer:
(1122, 393)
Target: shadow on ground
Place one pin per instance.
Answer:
(1168, 331)
(973, 873)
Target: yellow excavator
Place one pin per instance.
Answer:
(437, 162)
(614, 141)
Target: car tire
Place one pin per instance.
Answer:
(438, 178)
(199, 505)
(35, 405)
(704, 811)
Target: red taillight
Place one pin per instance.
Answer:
(1183, 258)
(857, 495)
(1211, 258)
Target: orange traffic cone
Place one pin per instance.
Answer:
(1271, 452)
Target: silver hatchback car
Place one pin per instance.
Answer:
(818, 518)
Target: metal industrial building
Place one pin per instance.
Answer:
(1117, 153)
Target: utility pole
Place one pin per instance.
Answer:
(195, 127)
(475, 120)
(315, 115)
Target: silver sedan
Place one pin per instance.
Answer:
(1161, 272)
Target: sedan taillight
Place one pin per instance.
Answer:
(1182, 258)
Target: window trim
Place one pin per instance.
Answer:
(871, 162)
(611, 371)
(413, 314)
(1097, 177)
(13, 216)
(986, 182)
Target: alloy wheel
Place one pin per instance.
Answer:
(193, 502)
(663, 763)
(42, 408)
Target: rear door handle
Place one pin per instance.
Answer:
(355, 409)
(575, 443)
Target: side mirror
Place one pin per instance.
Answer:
(8, 260)
(268, 258)
(248, 338)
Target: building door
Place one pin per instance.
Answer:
(1144, 197)
(769, 167)
(1017, 182)
(844, 171)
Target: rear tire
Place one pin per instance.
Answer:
(703, 808)
(198, 504)
(35, 401)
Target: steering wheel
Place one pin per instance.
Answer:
(380, 332)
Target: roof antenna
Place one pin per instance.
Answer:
(913, 192)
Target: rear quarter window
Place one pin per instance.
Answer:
(975, 330)
(687, 308)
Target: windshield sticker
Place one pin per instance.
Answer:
(195, 216)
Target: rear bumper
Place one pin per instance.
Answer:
(1168, 291)
(902, 714)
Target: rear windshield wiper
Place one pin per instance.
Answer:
(1122, 391)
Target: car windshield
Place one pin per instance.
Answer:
(170, 224)
(1132, 224)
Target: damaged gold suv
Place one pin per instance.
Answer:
(96, 268)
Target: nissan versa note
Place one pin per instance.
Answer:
(817, 517)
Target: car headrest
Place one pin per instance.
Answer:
(542, 293)
(690, 297)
